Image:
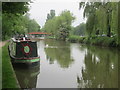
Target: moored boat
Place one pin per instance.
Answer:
(23, 50)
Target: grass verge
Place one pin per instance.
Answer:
(8, 75)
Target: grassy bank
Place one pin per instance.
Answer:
(100, 41)
(8, 75)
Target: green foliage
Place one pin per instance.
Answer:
(33, 26)
(0, 25)
(80, 29)
(104, 41)
(95, 40)
(102, 18)
(118, 30)
(74, 38)
(51, 15)
(30, 24)
(11, 25)
(15, 21)
(17, 8)
(90, 25)
(60, 26)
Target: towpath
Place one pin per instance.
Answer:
(2, 43)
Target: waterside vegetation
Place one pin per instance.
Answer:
(16, 20)
(99, 41)
(8, 75)
(101, 27)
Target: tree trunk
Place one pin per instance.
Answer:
(118, 31)
(109, 31)
(108, 25)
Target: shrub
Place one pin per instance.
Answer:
(94, 40)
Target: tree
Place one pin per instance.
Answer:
(102, 18)
(33, 26)
(51, 15)
(89, 12)
(12, 18)
(15, 8)
(15, 20)
(80, 29)
(60, 26)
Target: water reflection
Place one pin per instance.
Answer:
(58, 51)
(27, 77)
(101, 68)
(71, 65)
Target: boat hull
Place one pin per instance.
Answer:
(26, 65)
(25, 60)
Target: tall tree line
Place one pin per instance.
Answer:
(59, 26)
(79, 30)
(102, 18)
(15, 19)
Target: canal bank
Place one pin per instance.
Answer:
(98, 41)
(9, 79)
(2, 43)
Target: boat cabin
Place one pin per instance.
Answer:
(23, 51)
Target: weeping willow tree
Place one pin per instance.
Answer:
(101, 17)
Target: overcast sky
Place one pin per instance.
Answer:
(39, 10)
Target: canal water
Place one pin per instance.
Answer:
(71, 65)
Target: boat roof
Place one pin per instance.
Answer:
(22, 40)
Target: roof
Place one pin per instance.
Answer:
(38, 33)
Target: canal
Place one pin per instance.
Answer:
(71, 65)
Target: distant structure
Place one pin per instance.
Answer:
(38, 35)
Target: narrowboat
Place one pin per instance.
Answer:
(23, 50)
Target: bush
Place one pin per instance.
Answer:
(75, 38)
(94, 40)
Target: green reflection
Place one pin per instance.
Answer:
(58, 51)
(101, 68)
(26, 76)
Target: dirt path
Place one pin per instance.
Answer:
(2, 43)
